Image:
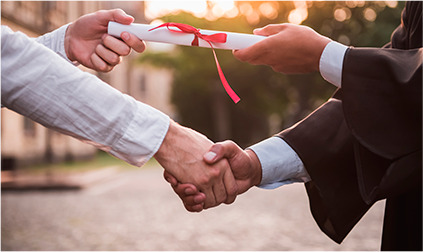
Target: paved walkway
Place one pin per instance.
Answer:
(137, 210)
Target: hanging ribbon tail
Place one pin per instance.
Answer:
(225, 83)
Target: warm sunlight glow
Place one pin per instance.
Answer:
(268, 10)
(211, 10)
(254, 18)
(299, 14)
(218, 11)
(225, 5)
(246, 9)
(154, 9)
(232, 13)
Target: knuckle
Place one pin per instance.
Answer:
(116, 60)
(140, 48)
(230, 200)
(126, 51)
(216, 172)
(222, 200)
(229, 142)
(99, 13)
(204, 180)
(99, 48)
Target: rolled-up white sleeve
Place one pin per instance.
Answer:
(331, 62)
(39, 84)
(280, 163)
(55, 41)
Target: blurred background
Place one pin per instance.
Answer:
(61, 194)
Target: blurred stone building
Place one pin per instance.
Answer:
(25, 142)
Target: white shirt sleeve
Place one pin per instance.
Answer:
(55, 41)
(331, 62)
(280, 163)
(39, 84)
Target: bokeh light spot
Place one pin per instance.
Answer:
(369, 14)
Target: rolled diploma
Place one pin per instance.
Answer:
(233, 41)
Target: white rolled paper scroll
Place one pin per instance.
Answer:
(233, 41)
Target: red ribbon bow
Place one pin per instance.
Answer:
(217, 37)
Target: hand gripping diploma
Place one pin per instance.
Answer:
(88, 43)
(288, 49)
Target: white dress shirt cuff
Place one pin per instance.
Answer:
(331, 62)
(143, 137)
(280, 163)
(55, 41)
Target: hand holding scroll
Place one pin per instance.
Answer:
(288, 49)
(88, 43)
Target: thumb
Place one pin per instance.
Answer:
(121, 17)
(170, 178)
(269, 30)
(218, 151)
(117, 15)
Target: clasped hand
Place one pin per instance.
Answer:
(244, 165)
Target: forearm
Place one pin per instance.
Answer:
(44, 87)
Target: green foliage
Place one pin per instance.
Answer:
(200, 98)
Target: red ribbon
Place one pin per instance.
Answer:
(217, 37)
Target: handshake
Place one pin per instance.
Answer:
(204, 174)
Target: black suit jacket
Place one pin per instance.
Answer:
(365, 143)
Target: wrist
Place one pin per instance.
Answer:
(321, 45)
(167, 141)
(68, 43)
(255, 167)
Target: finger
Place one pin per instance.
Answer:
(98, 64)
(210, 197)
(133, 41)
(219, 191)
(195, 208)
(250, 54)
(121, 17)
(170, 178)
(193, 200)
(218, 151)
(107, 55)
(220, 185)
(116, 45)
(257, 52)
(184, 190)
(117, 15)
(231, 187)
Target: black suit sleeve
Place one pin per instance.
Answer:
(325, 145)
(364, 144)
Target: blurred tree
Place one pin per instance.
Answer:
(269, 101)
